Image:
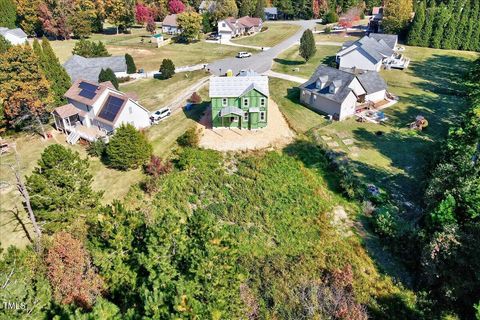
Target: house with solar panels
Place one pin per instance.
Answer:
(95, 110)
(239, 102)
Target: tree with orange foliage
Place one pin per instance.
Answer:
(24, 90)
(70, 272)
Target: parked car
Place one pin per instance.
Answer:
(214, 36)
(244, 54)
(337, 27)
(161, 114)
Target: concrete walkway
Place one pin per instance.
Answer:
(283, 76)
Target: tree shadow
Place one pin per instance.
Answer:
(196, 111)
(286, 62)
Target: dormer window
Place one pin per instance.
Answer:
(319, 84)
(332, 89)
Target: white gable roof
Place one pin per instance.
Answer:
(224, 87)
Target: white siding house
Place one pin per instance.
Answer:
(94, 110)
(341, 93)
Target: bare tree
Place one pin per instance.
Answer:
(22, 189)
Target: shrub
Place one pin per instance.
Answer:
(195, 98)
(88, 49)
(131, 67)
(385, 223)
(264, 28)
(189, 139)
(156, 167)
(330, 17)
(167, 69)
(128, 148)
(97, 148)
(328, 30)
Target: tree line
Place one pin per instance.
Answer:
(453, 24)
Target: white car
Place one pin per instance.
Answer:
(337, 27)
(161, 114)
(244, 54)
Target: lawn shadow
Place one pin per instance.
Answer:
(196, 111)
(443, 74)
(286, 62)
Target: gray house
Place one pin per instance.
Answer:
(341, 93)
(368, 53)
(79, 67)
(271, 13)
(14, 36)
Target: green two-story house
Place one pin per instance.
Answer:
(239, 102)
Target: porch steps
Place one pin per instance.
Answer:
(73, 137)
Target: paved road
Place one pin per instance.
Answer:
(260, 62)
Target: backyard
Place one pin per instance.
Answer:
(391, 155)
(162, 136)
(275, 34)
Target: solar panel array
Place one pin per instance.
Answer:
(88, 90)
(111, 108)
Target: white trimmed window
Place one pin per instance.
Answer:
(234, 119)
(263, 102)
(245, 116)
(262, 116)
(245, 102)
(224, 102)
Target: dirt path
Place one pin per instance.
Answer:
(276, 134)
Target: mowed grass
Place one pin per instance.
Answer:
(146, 54)
(396, 159)
(340, 37)
(275, 34)
(114, 183)
(286, 96)
(155, 93)
(290, 62)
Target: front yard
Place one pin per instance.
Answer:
(275, 34)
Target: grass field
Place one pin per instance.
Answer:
(275, 34)
(337, 37)
(290, 61)
(155, 93)
(395, 160)
(146, 55)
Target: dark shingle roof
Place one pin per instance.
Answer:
(340, 78)
(372, 82)
(79, 67)
(389, 39)
(372, 48)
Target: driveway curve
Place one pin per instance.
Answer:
(261, 62)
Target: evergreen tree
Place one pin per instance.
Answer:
(8, 14)
(88, 49)
(60, 188)
(441, 18)
(131, 67)
(246, 8)
(307, 45)
(470, 42)
(167, 69)
(416, 30)
(451, 27)
(462, 26)
(108, 75)
(58, 77)
(428, 27)
(4, 44)
(259, 9)
(128, 148)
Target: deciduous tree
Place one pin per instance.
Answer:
(142, 13)
(70, 272)
(27, 15)
(190, 23)
(397, 14)
(224, 9)
(175, 6)
(24, 89)
(88, 49)
(120, 13)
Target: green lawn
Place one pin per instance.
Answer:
(275, 34)
(290, 61)
(146, 55)
(155, 93)
(396, 159)
(286, 96)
